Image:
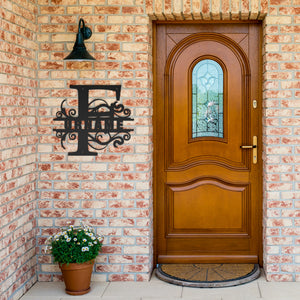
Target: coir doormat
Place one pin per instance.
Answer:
(208, 275)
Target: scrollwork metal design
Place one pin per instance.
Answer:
(97, 124)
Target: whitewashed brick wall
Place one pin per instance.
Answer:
(281, 93)
(113, 191)
(18, 140)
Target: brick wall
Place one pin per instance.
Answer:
(281, 94)
(113, 191)
(18, 139)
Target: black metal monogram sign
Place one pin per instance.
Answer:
(96, 124)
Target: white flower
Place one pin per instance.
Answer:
(84, 240)
(75, 239)
(68, 240)
(84, 249)
(48, 239)
(93, 238)
(95, 242)
(90, 244)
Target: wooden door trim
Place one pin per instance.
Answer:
(158, 145)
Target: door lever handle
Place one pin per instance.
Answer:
(254, 147)
(248, 147)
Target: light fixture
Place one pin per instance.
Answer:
(79, 51)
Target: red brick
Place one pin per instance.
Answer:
(291, 231)
(111, 249)
(132, 10)
(108, 176)
(121, 277)
(121, 222)
(278, 39)
(108, 268)
(136, 268)
(108, 214)
(290, 29)
(131, 213)
(123, 259)
(107, 47)
(65, 204)
(290, 66)
(107, 10)
(279, 277)
(278, 56)
(52, 213)
(93, 204)
(279, 259)
(121, 203)
(108, 195)
(121, 167)
(120, 186)
(122, 241)
(280, 2)
(50, 10)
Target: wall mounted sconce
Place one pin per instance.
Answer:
(79, 51)
(96, 124)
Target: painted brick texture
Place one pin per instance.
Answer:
(122, 45)
(280, 115)
(113, 191)
(281, 141)
(18, 141)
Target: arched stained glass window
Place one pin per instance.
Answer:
(207, 99)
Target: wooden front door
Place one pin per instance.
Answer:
(207, 187)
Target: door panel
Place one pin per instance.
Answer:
(207, 189)
(185, 150)
(207, 216)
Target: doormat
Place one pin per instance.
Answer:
(208, 275)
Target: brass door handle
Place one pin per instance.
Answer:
(254, 147)
(248, 147)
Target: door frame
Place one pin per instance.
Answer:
(155, 116)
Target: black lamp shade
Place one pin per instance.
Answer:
(79, 51)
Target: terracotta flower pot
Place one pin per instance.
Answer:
(77, 277)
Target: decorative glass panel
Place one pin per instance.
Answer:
(207, 99)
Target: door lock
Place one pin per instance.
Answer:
(254, 147)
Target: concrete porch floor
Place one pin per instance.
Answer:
(156, 289)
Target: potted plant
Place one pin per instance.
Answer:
(75, 249)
